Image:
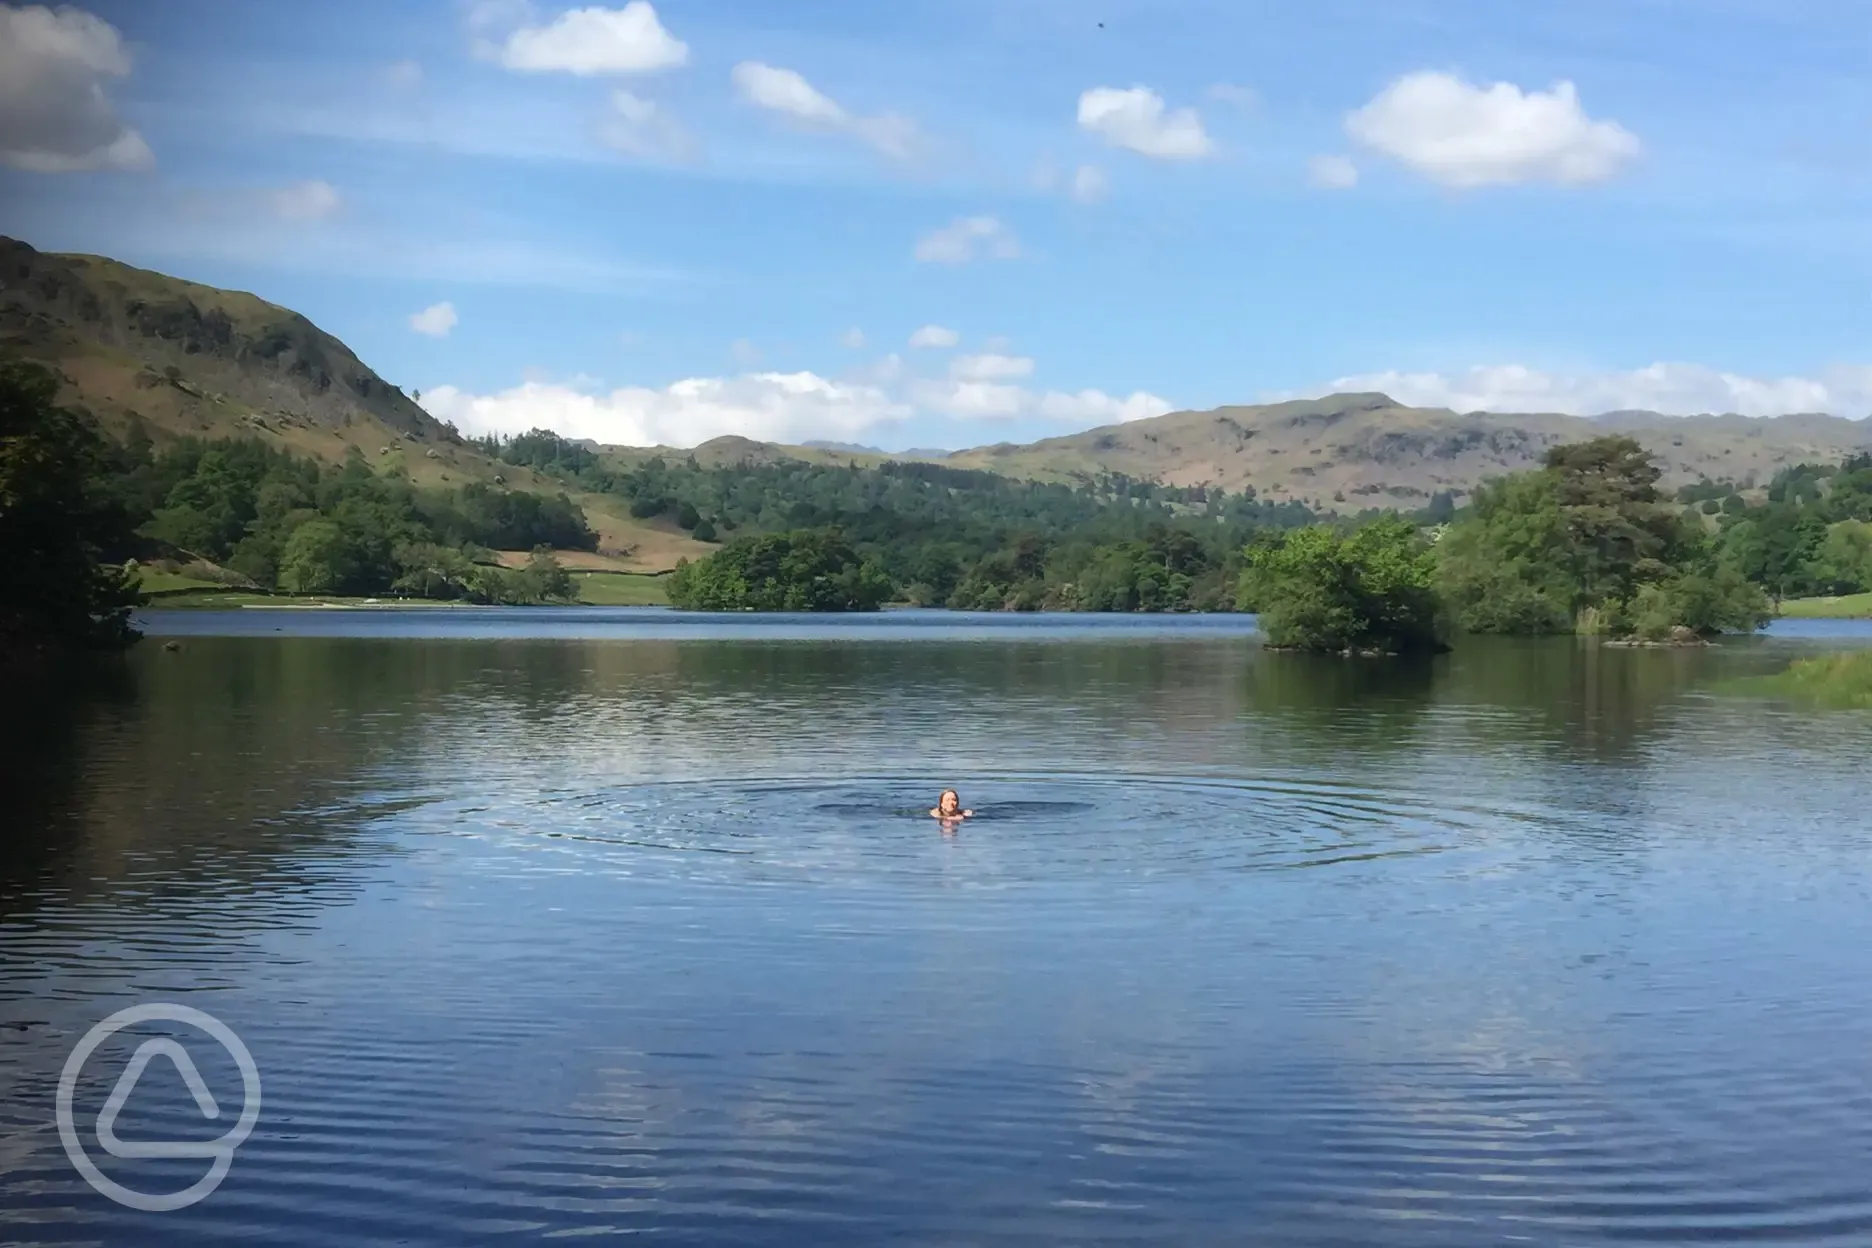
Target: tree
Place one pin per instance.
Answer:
(433, 571)
(1843, 563)
(319, 559)
(810, 570)
(544, 579)
(1587, 542)
(1620, 533)
(1506, 567)
(1370, 590)
(57, 522)
(1775, 547)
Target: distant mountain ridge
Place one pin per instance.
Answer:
(1355, 450)
(857, 448)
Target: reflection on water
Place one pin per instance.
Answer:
(638, 928)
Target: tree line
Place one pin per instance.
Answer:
(291, 523)
(1585, 543)
(934, 534)
(76, 507)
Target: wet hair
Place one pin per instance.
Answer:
(948, 793)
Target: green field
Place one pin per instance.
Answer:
(620, 589)
(1849, 607)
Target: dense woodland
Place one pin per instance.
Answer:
(1812, 535)
(294, 524)
(1586, 543)
(251, 515)
(942, 536)
(59, 525)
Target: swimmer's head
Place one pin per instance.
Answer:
(949, 803)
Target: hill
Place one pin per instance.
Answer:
(1354, 450)
(187, 358)
(176, 359)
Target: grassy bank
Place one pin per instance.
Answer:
(621, 589)
(1849, 607)
(1840, 681)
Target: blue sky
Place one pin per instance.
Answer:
(665, 223)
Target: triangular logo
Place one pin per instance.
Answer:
(126, 1084)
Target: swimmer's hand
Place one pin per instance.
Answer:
(954, 814)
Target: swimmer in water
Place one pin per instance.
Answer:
(949, 807)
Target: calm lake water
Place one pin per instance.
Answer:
(592, 922)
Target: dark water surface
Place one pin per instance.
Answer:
(563, 924)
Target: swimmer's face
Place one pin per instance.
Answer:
(949, 803)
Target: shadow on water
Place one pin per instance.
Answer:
(1378, 701)
(55, 710)
(218, 769)
(1595, 703)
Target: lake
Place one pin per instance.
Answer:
(587, 922)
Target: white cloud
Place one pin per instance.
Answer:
(990, 367)
(435, 320)
(305, 201)
(54, 115)
(935, 336)
(1673, 388)
(597, 40)
(780, 407)
(996, 400)
(852, 339)
(1465, 136)
(1332, 173)
(1136, 119)
(1095, 407)
(786, 92)
(972, 400)
(784, 407)
(642, 128)
(966, 239)
(1089, 184)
